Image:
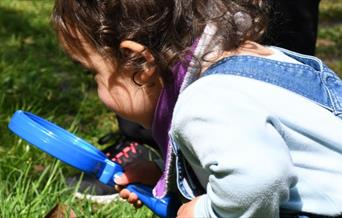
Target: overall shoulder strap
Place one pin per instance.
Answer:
(308, 79)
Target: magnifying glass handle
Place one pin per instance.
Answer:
(164, 207)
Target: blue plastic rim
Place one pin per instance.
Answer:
(58, 142)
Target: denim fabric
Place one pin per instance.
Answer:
(311, 79)
(187, 183)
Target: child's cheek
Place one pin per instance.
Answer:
(105, 97)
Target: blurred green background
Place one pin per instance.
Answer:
(35, 75)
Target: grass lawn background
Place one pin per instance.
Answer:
(35, 75)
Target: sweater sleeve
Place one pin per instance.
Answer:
(231, 137)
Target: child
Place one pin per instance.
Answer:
(245, 130)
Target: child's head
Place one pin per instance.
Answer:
(124, 38)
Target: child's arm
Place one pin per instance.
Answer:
(141, 171)
(231, 137)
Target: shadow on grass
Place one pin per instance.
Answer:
(35, 74)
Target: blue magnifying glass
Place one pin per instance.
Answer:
(79, 154)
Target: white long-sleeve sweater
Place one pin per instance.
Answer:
(255, 146)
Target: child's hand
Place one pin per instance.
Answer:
(187, 210)
(141, 171)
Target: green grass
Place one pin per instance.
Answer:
(329, 42)
(35, 75)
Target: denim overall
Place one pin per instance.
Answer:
(311, 79)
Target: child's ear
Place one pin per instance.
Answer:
(135, 47)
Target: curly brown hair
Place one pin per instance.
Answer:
(167, 28)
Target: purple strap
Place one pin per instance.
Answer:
(162, 119)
